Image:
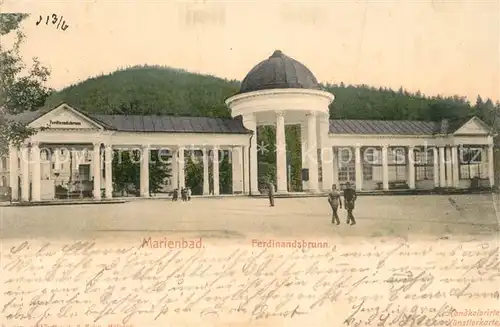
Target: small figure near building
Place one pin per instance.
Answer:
(270, 190)
(335, 202)
(188, 193)
(349, 200)
(175, 194)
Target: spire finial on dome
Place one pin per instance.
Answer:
(277, 53)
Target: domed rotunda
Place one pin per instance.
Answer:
(278, 91)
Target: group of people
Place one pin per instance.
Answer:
(185, 193)
(334, 198)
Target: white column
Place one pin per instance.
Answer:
(25, 173)
(304, 143)
(174, 167)
(326, 154)
(250, 123)
(215, 167)
(281, 176)
(449, 167)
(312, 152)
(206, 181)
(435, 155)
(456, 166)
(36, 177)
(96, 167)
(144, 180)
(442, 167)
(385, 168)
(237, 169)
(14, 172)
(181, 166)
(246, 170)
(335, 164)
(491, 165)
(411, 167)
(327, 168)
(358, 167)
(108, 167)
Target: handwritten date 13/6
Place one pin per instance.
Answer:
(54, 19)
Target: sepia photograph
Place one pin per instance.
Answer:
(249, 163)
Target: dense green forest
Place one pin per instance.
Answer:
(162, 90)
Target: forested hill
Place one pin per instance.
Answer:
(163, 90)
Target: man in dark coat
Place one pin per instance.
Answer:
(335, 202)
(349, 200)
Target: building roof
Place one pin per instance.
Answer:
(179, 124)
(279, 72)
(397, 127)
(151, 123)
(387, 127)
(172, 124)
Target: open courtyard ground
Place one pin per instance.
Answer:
(408, 217)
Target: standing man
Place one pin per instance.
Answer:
(270, 189)
(335, 201)
(349, 200)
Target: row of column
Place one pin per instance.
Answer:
(179, 176)
(446, 167)
(30, 164)
(446, 172)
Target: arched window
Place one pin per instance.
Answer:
(4, 181)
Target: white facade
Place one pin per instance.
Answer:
(80, 146)
(370, 162)
(79, 149)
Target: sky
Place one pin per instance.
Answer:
(438, 47)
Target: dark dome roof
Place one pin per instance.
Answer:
(279, 72)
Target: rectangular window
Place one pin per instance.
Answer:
(397, 173)
(370, 159)
(347, 166)
(347, 174)
(397, 164)
(367, 172)
(424, 164)
(346, 155)
(470, 163)
(396, 156)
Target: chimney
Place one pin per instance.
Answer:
(445, 126)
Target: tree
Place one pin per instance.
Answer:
(159, 170)
(18, 92)
(194, 173)
(127, 170)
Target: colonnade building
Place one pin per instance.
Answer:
(372, 155)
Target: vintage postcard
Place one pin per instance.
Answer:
(249, 163)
